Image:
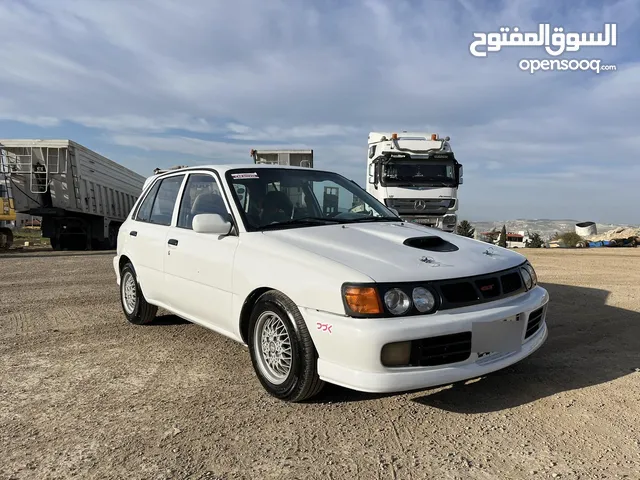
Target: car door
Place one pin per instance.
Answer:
(198, 267)
(147, 234)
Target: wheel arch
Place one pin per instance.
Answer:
(247, 308)
(123, 261)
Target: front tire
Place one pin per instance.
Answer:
(282, 351)
(135, 307)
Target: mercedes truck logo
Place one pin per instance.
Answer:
(419, 204)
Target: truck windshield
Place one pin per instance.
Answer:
(416, 173)
(273, 198)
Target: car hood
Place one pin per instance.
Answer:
(378, 251)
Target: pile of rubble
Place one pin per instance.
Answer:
(616, 233)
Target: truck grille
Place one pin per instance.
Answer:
(425, 206)
(441, 350)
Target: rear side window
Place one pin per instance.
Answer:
(144, 212)
(162, 209)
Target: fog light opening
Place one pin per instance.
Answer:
(396, 354)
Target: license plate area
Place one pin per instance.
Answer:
(499, 336)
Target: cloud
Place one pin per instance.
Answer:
(210, 80)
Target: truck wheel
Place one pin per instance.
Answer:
(282, 351)
(137, 310)
(6, 238)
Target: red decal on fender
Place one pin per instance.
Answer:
(325, 327)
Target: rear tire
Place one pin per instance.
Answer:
(7, 239)
(135, 307)
(282, 351)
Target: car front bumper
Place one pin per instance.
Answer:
(349, 349)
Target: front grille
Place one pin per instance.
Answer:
(511, 282)
(474, 290)
(489, 287)
(534, 322)
(462, 292)
(432, 206)
(441, 350)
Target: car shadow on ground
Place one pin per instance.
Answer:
(163, 319)
(48, 252)
(589, 343)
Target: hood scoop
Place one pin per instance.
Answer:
(430, 243)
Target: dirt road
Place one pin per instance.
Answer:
(84, 394)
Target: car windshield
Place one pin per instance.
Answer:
(271, 198)
(419, 173)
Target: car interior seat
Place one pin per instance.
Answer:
(208, 202)
(276, 207)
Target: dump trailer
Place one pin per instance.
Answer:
(295, 158)
(82, 197)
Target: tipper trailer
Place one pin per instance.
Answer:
(295, 158)
(82, 196)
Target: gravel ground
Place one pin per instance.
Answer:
(84, 394)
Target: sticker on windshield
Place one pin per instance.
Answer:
(244, 175)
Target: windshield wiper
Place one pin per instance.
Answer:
(302, 221)
(437, 184)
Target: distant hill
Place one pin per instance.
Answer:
(545, 227)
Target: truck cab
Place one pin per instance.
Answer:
(417, 175)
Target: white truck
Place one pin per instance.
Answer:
(417, 175)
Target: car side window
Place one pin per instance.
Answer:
(144, 211)
(165, 201)
(201, 195)
(334, 199)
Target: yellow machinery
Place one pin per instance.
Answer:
(7, 211)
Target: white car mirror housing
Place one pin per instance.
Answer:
(211, 223)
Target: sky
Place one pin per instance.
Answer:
(156, 83)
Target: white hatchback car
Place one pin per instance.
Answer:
(322, 282)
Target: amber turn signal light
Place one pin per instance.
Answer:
(363, 300)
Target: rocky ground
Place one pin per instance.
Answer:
(616, 233)
(84, 394)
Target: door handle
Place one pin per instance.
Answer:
(172, 241)
(133, 233)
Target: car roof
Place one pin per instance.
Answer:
(223, 168)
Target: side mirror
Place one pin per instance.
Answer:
(211, 223)
(372, 179)
(460, 175)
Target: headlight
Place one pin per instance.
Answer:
(388, 301)
(423, 299)
(397, 301)
(526, 276)
(532, 272)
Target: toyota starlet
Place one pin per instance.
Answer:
(322, 282)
